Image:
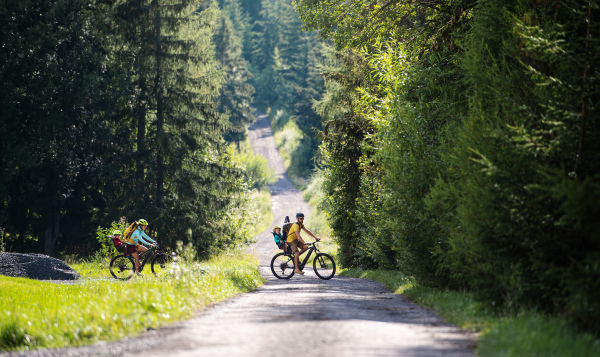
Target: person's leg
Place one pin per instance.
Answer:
(141, 250)
(294, 246)
(303, 248)
(136, 256)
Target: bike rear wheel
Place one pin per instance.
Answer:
(324, 266)
(282, 266)
(122, 267)
(161, 265)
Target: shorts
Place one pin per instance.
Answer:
(296, 245)
(130, 249)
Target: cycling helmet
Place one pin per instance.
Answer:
(117, 232)
(299, 214)
(276, 227)
(143, 222)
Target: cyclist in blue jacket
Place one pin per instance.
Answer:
(139, 236)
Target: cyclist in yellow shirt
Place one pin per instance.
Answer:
(296, 242)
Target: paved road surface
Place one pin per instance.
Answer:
(338, 317)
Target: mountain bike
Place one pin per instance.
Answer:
(123, 266)
(282, 264)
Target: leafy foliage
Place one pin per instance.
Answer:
(108, 248)
(476, 165)
(521, 243)
(343, 134)
(111, 109)
(258, 170)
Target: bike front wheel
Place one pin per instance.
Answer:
(122, 267)
(161, 265)
(282, 266)
(324, 266)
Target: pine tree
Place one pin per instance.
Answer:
(185, 186)
(236, 93)
(54, 98)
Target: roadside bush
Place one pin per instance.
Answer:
(107, 248)
(412, 104)
(295, 149)
(341, 150)
(258, 170)
(313, 194)
(527, 161)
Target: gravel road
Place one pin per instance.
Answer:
(304, 315)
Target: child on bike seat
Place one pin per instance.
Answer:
(277, 235)
(139, 236)
(279, 240)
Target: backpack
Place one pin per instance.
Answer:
(128, 232)
(286, 227)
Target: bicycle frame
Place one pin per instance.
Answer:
(283, 267)
(123, 266)
(309, 252)
(150, 252)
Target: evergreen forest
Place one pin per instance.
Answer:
(454, 141)
(113, 111)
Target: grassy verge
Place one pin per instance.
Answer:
(263, 205)
(36, 314)
(527, 333)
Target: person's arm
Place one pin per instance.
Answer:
(148, 237)
(310, 233)
(138, 237)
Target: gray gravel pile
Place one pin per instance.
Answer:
(35, 266)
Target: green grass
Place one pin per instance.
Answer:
(527, 334)
(536, 335)
(263, 205)
(36, 314)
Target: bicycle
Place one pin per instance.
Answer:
(123, 266)
(282, 264)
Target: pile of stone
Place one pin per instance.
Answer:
(35, 266)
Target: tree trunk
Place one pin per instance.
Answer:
(51, 236)
(584, 87)
(159, 114)
(141, 132)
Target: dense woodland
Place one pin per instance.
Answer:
(460, 145)
(456, 140)
(132, 109)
